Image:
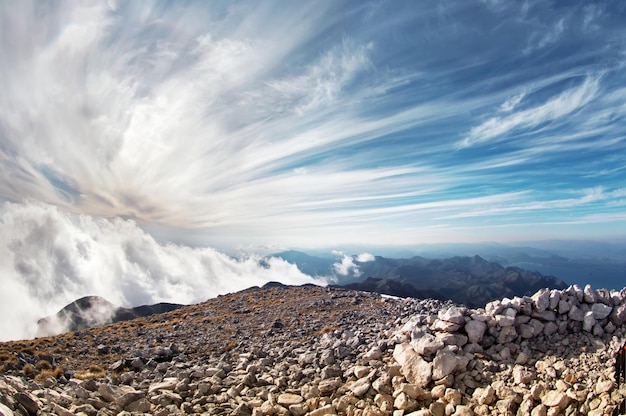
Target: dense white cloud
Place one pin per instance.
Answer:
(365, 258)
(346, 267)
(51, 258)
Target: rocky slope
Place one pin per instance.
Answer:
(326, 351)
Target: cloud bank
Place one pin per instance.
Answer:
(51, 258)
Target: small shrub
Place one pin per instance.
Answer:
(28, 370)
(231, 345)
(94, 371)
(26, 350)
(49, 373)
(43, 365)
(58, 371)
(329, 329)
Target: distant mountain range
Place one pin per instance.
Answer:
(472, 281)
(601, 264)
(91, 311)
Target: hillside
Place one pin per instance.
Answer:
(322, 351)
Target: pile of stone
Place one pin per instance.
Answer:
(548, 354)
(522, 355)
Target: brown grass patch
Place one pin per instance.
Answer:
(46, 374)
(43, 365)
(94, 371)
(28, 370)
(329, 329)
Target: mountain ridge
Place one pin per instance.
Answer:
(90, 311)
(470, 280)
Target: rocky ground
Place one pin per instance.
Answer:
(310, 350)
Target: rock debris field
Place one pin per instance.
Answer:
(309, 350)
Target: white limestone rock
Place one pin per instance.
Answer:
(475, 330)
(452, 314)
(541, 299)
(486, 395)
(425, 343)
(576, 314)
(414, 368)
(588, 321)
(601, 311)
(589, 295)
(507, 334)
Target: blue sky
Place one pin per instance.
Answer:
(320, 123)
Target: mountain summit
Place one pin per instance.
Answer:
(90, 311)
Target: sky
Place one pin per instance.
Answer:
(201, 127)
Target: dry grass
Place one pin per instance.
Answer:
(94, 371)
(49, 373)
(43, 365)
(28, 370)
(231, 345)
(327, 329)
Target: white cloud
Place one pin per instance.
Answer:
(512, 103)
(553, 35)
(557, 107)
(51, 258)
(183, 128)
(298, 122)
(591, 14)
(587, 196)
(347, 267)
(321, 83)
(365, 258)
(549, 37)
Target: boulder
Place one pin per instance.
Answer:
(541, 299)
(444, 363)
(588, 321)
(522, 375)
(601, 311)
(288, 399)
(618, 316)
(425, 344)
(485, 395)
(589, 295)
(507, 334)
(452, 314)
(414, 368)
(475, 330)
(576, 314)
(556, 399)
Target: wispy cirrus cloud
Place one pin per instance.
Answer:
(561, 105)
(587, 197)
(549, 37)
(249, 121)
